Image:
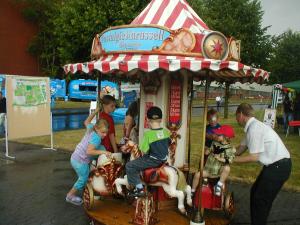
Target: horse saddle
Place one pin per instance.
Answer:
(153, 175)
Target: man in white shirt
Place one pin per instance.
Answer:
(266, 147)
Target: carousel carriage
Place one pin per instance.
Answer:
(165, 51)
(224, 202)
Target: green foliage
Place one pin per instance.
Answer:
(284, 63)
(67, 28)
(241, 19)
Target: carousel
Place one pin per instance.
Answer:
(165, 48)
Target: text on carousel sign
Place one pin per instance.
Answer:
(133, 39)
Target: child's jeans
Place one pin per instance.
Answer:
(133, 168)
(82, 170)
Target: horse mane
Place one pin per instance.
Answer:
(131, 148)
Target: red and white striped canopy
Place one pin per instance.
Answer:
(124, 63)
(173, 14)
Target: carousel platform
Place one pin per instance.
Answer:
(118, 212)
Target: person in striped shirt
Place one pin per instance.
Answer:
(89, 147)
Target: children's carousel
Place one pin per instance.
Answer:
(165, 48)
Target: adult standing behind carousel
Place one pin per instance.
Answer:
(297, 107)
(130, 127)
(287, 111)
(266, 147)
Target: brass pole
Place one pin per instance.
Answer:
(199, 215)
(226, 103)
(189, 124)
(99, 101)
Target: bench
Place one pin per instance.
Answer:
(293, 123)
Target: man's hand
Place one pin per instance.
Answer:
(220, 159)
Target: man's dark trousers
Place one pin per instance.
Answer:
(265, 189)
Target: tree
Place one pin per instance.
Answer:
(284, 63)
(67, 28)
(241, 19)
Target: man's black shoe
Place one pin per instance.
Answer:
(137, 193)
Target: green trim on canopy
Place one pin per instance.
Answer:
(294, 85)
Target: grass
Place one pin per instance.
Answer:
(68, 140)
(212, 101)
(59, 104)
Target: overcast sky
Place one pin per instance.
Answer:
(281, 14)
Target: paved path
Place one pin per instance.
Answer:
(33, 188)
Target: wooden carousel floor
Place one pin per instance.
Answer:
(118, 212)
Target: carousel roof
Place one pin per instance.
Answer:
(172, 14)
(119, 64)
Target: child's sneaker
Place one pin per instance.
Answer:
(217, 190)
(75, 200)
(137, 193)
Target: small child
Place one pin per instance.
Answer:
(89, 146)
(220, 155)
(154, 145)
(213, 123)
(109, 105)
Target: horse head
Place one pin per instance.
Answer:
(132, 148)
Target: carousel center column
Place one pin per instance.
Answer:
(167, 90)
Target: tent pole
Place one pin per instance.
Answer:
(198, 219)
(51, 135)
(6, 141)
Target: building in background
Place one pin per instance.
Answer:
(15, 35)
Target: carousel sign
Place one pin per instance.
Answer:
(175, 103)
(133, 39)
(174, 113)
(143, 39)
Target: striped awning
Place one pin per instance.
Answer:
(125, 63)
(172, 14)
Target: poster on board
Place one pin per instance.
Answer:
(29, 92)
(28, 106)
(270, 117)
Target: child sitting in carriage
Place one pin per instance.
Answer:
(219, 156)
(154, 146)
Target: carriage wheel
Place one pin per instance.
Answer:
(229, 206)
(88, 197)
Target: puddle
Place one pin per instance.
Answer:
(4, 161)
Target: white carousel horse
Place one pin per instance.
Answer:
(174, 178)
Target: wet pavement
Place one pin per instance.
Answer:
(33, 188)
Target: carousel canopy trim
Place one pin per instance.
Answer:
(147, 63)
